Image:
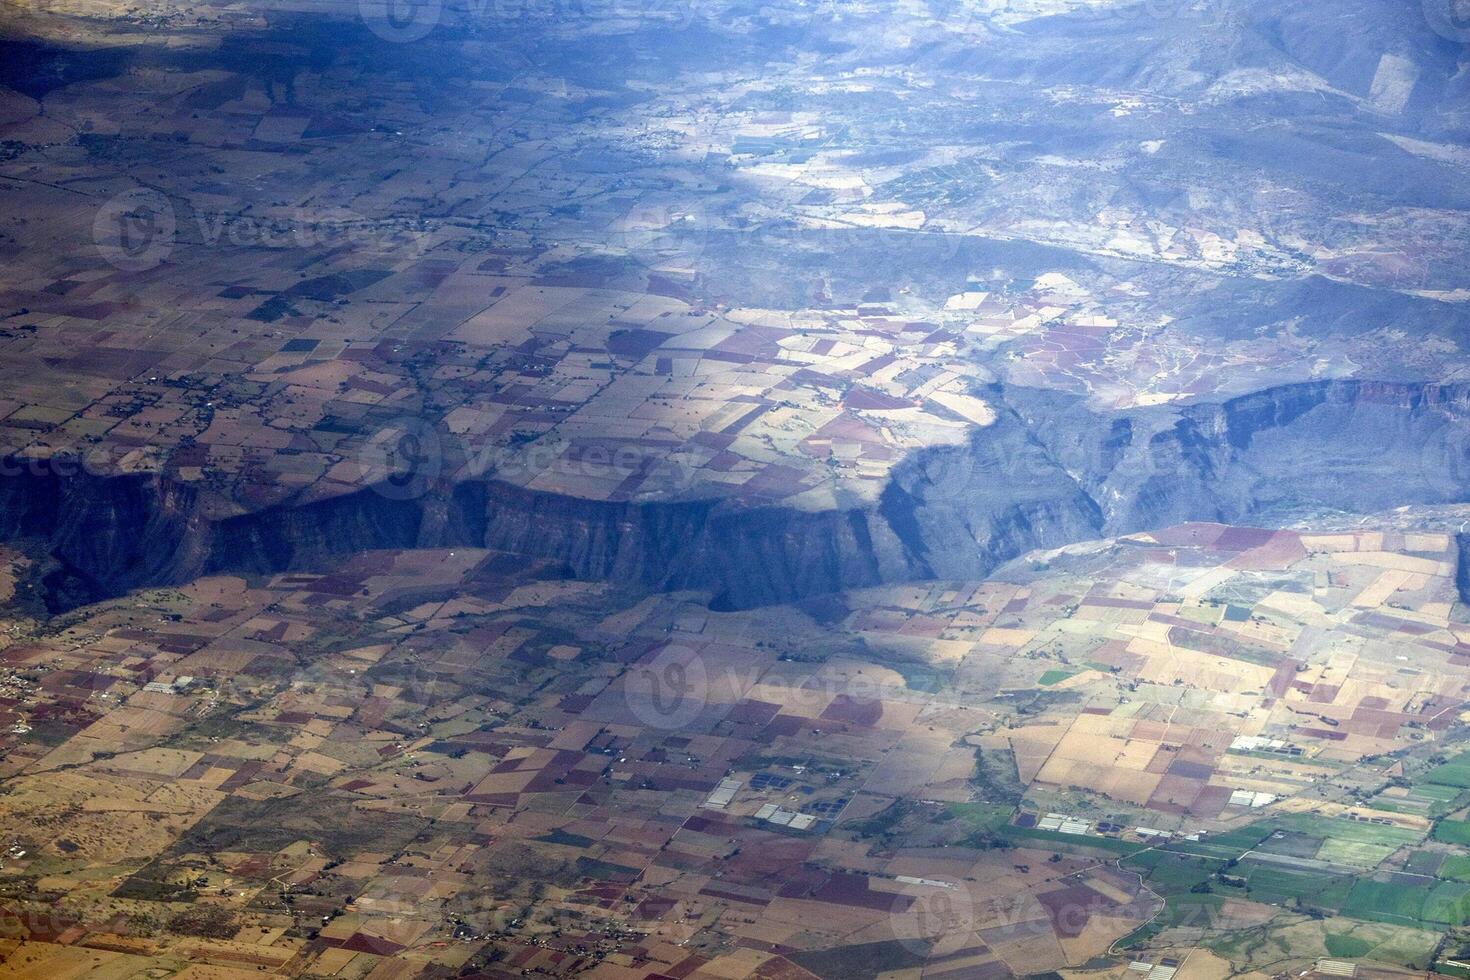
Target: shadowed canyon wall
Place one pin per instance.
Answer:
(1049, 472)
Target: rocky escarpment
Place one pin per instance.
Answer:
(1275, 455)
(1052, 471)
(1048, 472)
(744, 557)
(107, 535)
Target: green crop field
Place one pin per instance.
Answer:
(1448, 904)
(982, 816)
(1456, 867)
(1280, 886)
(1346, 947)
(1386, 902)
(1169, 873)
(1455, 772)
(1055, 676)
(1349, 830)
(1294, 844)
(1357, 854)
(1208, 848)
(1245, 838)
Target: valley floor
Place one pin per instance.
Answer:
(1199, 752)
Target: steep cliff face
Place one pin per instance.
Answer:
(1047, 473)
(1359, 447)
(108, 534)
(626, 542)
(113, 534)
(1462, 566)
(758, 557)
(1275, 455)
(286, 537)
(1006, 493)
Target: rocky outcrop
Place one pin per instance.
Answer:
(1048, 472)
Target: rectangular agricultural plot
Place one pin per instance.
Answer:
(1336, 831)
(1170, 874)
(1455, 772)
(1452, 831)
(1424, 799)
(1358, 854)
(1411, 905)
(1292, 844)
(1276, 885)
(1448, 905)
(1456, 867)
(1033, 837)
